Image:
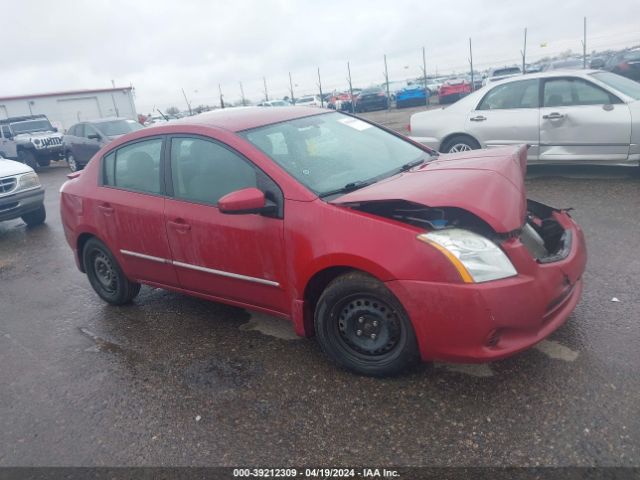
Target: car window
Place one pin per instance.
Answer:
(6, 132)
(135, 167)
(203, 171)
(562, 92)
(522, 94)
(89, 130)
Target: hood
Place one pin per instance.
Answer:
(9, 168)
(486, 183)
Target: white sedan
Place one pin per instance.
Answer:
(572, 116)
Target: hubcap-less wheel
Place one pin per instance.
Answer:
(71, 161)
(105, 273)
(367, 325)
(460, 147)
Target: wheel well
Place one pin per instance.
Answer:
(82, 241)
(446, 139)
(316, 285)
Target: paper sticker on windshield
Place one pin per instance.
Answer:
(355, 123)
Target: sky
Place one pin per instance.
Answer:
(162, 47)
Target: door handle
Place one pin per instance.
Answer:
(553, 116)
(478, 118)
(105, 208)
(179, 225)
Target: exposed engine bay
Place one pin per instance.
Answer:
(541, 233)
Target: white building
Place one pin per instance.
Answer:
(66, 108)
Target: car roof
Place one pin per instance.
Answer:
(237, 119)
(551, 73)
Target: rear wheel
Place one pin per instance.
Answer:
(460, 143)
(28, 158)
(37, 217)
(106, 276)
(363, 327)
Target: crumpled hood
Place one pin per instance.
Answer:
(487, 183)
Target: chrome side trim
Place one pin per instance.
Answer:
(222, 273)
(145, 257)
(227, 274)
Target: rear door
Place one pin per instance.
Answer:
(580, 121)
(130, 210)
(235, 257)
(508, 115)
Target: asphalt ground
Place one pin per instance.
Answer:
(173, 380)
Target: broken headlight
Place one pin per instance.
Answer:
(476, 258)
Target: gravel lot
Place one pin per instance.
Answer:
(172, 380)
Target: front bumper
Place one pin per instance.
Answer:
(493, 320)
(16, 205)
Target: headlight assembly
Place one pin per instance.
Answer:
(28, 181)
(476, 258)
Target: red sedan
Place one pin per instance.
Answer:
(384, 250)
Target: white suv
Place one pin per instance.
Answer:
(21, 195)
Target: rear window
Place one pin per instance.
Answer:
(135, 166)
(506, 71)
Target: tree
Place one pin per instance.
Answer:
(172, 111)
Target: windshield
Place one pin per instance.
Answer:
(29, 126)
(118, 127)
(622, 84)
(330, 151)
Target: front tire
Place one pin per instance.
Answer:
(106, 276)
(363, 327)
(460, 143)
(28, 158)
(37, 217)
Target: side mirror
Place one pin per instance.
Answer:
(94, 136)
(247, 200)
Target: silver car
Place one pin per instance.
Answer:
(586, 116)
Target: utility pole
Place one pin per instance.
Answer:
(524, 53)
(320, 87)
(244, 103)
(266, 93)
(293, 99)
(350, 88)
(188, 104)
(471, 63)
(221, 99)
(424, 75)
(386, 81)
(584, 44)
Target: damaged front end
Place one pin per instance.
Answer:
(541, 233)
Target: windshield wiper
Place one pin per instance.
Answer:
(410, 165)
(349, 187)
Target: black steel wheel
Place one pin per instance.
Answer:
(363, 327)
(106, 276)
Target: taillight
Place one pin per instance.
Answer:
(381, 94)
(409, 127)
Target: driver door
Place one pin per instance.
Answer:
(234, 257)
